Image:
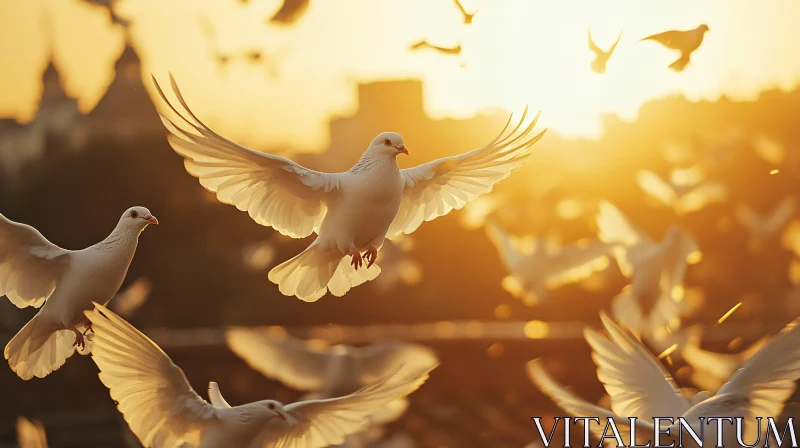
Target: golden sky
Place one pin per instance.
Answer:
(516, 52)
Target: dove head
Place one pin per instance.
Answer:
(137, 218)
(703, 28)
(388, 144)
(272, 409)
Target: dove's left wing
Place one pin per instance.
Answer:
(593, 46)
(435, 188)
(275, 191)
(151, 392)
(637, 383)
(215, 396)
(768, 377)
(614, 47)
(30, 265)
(320, 423)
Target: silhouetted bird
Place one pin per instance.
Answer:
(684, 41)
(467, 16)
(455, 51)
(290, 12)
(601, 57)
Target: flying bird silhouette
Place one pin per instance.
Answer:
(163, 410)
(35, 272)
(681, 195)
(351, 212)
(423, 44)
(684, 41)
(290, 12)
(601, 57)
(467, 16)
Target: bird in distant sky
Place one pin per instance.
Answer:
(290, 12)
(36, 272)
(351, 212)
(681, 193)
(467, 16)
(684, 41)
(423, 44)
(163, 410)
(640, 386)
(601, 57)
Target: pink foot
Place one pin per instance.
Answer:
(371, 255)
(80, 340)
(357, 261)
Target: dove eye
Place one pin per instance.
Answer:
(271, 406)
(134, 214)
(387, 142)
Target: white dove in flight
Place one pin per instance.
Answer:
(682, 197)
(36, 272)
(639, 386)
(654, 268)
(163, 410)
(601, 56)
(351, 212)
(329, 372)
(535, 270)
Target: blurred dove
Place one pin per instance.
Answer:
(290, 11)
(640, 387)
(467, 16)
(654, 268)
(684, 41)
(535, 270)
(30, 434)
(399, 266)
(352, 212)
(36, 272)
(683, 198)
(163, 410)
(711, 370)
(764, 227)
(601, 57)
(790, 240)
(332, 372)
(129, 300)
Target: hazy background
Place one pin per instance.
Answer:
(80, 142)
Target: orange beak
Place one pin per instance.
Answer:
(151, 219)
(402, 148)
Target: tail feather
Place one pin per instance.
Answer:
(39, 349)
(316, 271)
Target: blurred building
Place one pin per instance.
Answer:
(398, 106)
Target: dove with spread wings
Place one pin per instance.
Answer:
(351, 212)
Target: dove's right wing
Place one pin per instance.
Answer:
(637, 383)
(719, 365)
(286, 359)
(512, 258)
(321, 423)
(30, 266)
(578, 407)
(768, 377)
(151, 392)
(276, 192)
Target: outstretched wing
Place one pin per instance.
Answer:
(671, 39)
(381, 358)
(615, 228)
(637, 383)
(151, 392)
(578, 407)
(274, 191)
(593, 46)
(30, 266)
(286, 359)
(656, 187)
(436, 188)
(614, 47)
(768, 377)
(320, 423)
